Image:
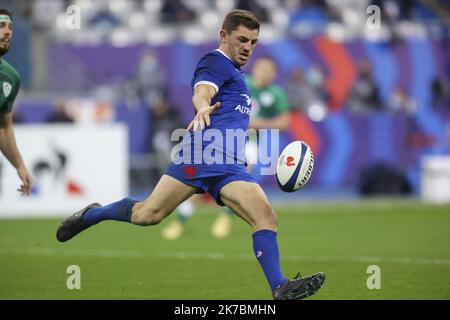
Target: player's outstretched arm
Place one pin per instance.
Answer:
(201, 100)
(9, 148)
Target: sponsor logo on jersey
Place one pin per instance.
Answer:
(242, 109)
(247, 98)
(7, 88)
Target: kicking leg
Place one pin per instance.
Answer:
(249, 201)
(167, 195)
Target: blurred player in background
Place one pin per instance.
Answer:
(10, 85)
(269, 110)
(220, 92)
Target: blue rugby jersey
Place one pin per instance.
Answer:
(218, 71)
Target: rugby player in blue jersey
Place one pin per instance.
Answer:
(222, 103)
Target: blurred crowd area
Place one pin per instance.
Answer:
(45, 50)
(124, 22)
(362, 97)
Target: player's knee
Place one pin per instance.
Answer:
(271, 219)
(267, 219)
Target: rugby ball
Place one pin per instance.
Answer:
(294, 167)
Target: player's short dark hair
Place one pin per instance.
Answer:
(238, 17)
(5, 12)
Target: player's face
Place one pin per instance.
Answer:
(5, 36)
(240, 44)
(264, 72)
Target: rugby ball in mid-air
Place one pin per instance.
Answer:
(294, 166)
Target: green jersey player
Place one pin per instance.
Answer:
(269, 101)
(9, 87)
(270, 104)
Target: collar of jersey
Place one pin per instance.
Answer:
(238, 67)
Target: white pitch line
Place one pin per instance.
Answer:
(49, 251)
(362, 259)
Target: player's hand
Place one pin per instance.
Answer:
(27, 181)
(202, 119)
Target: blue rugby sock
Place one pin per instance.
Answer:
(265, 247)
(119, 211)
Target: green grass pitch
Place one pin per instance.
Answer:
(408, 240)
